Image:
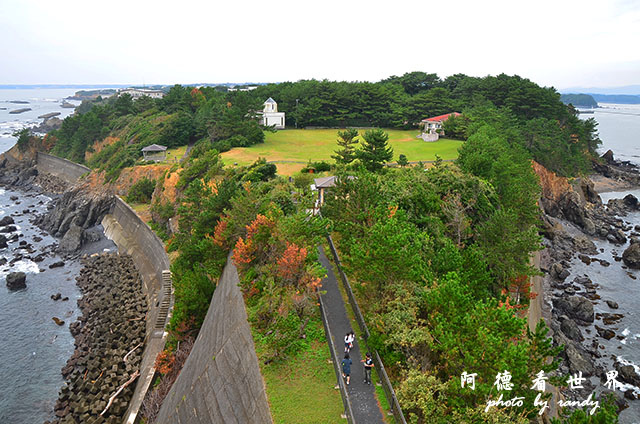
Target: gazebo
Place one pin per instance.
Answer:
(155, 153)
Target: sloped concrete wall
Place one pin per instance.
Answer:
(61, 168)
(221, 380)
(134, 237)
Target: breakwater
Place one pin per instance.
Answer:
(109, 342)
(61, 168)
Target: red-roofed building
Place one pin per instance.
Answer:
(434, 124)
(432, 127)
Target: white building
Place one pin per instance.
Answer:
(270, 115)
(136, 93)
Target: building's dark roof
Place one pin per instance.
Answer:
(155, 148)
(325, 182)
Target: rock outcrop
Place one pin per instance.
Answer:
(16, 281)
(75, 211)
(631, 256)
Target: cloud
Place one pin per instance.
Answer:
(551, 42)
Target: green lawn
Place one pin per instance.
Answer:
(174, 155)
(301, 390)
(302, 145)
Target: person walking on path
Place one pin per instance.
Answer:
(348, 341)
(368, 366)
(346, 367)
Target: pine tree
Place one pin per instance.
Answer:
(375, 150)
(347, 141)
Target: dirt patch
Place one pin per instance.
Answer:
(99, 145)
(130, 176)
(553, 186)
(289, 168)
(167, 192)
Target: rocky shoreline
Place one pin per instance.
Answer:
(574, 217)
(109, 335)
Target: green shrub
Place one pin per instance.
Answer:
(141, 191)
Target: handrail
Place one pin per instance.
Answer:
(386, 383)
(348, 411)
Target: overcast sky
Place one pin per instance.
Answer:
(560, 43)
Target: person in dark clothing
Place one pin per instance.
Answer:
(346, 367)
(368, 366)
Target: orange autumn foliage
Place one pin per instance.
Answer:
(164, 362)
(291, 264)
(219, 238)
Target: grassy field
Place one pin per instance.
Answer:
(302, 145)
(301, 390)
(174, 155)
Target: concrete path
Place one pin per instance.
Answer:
(362, 396)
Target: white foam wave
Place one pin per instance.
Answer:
(626, 332)
(26, 265)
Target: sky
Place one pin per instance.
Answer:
(560, 43)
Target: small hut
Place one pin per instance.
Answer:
(155, 153)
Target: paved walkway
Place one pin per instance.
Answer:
(362, 396)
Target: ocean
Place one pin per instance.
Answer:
(33, 348)
(619, 129)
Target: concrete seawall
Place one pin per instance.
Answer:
(134, 237)
(221, 380)
(61, 168)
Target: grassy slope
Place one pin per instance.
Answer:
(301, 390)
(302, 145)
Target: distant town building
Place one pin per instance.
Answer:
(136, 93)
(252, 87)
(270, 115)
(155, 152)
(432, 127)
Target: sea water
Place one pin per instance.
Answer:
(619, 129)
(33, 348)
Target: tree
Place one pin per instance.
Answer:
(347, 141)
(24, 136)
(402, 160)
(375, 150)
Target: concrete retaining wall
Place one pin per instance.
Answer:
(61, 168)
(221, 380)
(134, 237)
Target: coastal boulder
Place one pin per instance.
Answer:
(570, 329)
(72, 240)
(16, 281)
(628, 374)
(579, 360)
(631, 201)
(631, 256)
(6, 220)
(608, 156)
(576, 307)
(3, 241)
(571, 206)
(559, 272)
(581, 308)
